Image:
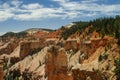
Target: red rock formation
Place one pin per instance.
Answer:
(55, 34)
(29, 48)
(56, 64)
(1, 73)
(89, 47)
(97, 43)
(10, 48)
(40, 34)
(56, 67)
(1, 69)
(71, 44)
(86, 75)
(94, 34)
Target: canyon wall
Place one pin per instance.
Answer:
(1, 69)
(29, 48)
(56, 64)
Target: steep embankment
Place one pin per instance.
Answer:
(31, 65)
(8, 47)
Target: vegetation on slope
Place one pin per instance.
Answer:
(23, 33)
(117, 69)
(49, 30)
(12, 34)
(78, 26)
(38, 29)
(105, 26)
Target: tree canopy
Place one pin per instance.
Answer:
(105, 26)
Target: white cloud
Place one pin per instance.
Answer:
(32, 6)
(4, 6)
(88, 1)
(16, 3)
(4, 15)
(68, 9)
(62, 1)
(40, 13)
(89, 7)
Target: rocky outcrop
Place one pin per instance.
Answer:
(86, 75)
(31, 67)
(1, 69)
(56, 64)
(55, 34)
(29, 48)
(40, 34)
(71, 44)
(9, 47)
(1, 73)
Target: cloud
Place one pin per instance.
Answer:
(16, 3)
(89, 6)
(17, 10)
(4, 6)
(88, 1)
(62, 1)
(32, 6)
(40, 13)
(6, 11)
(5, 15)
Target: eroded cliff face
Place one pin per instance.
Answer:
(1, 73)
(71, 44)
(31, 67)
(66, 60)
(57, 64)
(8, 47)
(1, 69)
(86, 57)
(86, 75)
(29, 48)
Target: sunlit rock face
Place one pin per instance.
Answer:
(71, 44)
(1, 73)
(29, 48)
(8, 47)
(1, 70)
(56, 64)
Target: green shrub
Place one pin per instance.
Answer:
(103, 57)
(117, 68)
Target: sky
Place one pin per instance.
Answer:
(18, 15)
